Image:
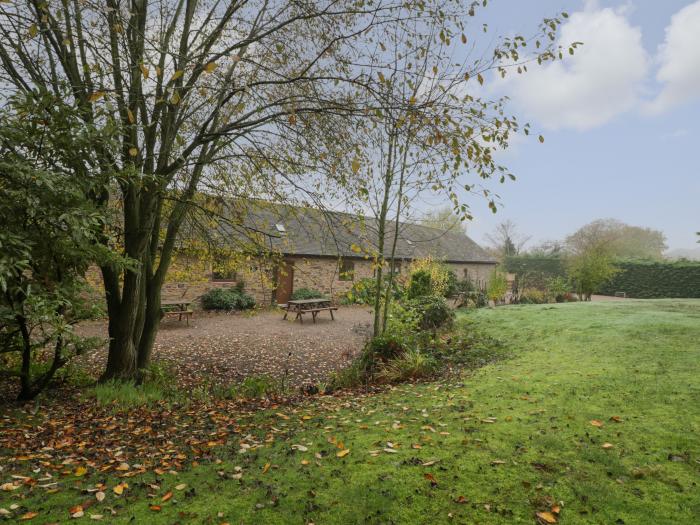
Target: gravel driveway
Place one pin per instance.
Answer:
(226, 348)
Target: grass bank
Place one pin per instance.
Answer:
(594, 414)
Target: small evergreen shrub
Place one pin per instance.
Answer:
(227, 299)
(434, 313)
(419, 285)
(306, 293)
(387, 346)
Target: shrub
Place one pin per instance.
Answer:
(557, 288)
(410, 365)
(386, 346)
(498, 286)
(363, 291)
(438, 271)
(227, 299)
(306, 293)
(433, 311)
(532, 296)
(420, 284)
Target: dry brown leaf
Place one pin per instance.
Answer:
(596, 423)
(546, 517)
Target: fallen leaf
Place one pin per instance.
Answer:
(546, 517)
(80, 471)
(166, 496)
(100, 496)
(596, 423)
(343, 453)
(430, 478)
(266, 468)
(28, 516)
(155, 508)
(616, 419)
(461, 500)
(607, 446)
(181, 486)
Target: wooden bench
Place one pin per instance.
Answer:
(315, 311)
(179, 314)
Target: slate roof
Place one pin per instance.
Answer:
(312, 232)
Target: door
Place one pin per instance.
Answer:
(285, 281)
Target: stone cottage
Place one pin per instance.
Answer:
(302, 247)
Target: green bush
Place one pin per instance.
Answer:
(557, 288)
(387, 346)
(363, 291)
(419, 285)
(434, 313)
(227, 299)
(532, 296)
(306, 293)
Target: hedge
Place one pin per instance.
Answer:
(651, 279)
(641, 279)
(534, 271)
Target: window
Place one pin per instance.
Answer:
(221, 270)
(346, 271)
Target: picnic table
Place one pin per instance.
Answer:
(305, 306)
(177, 308)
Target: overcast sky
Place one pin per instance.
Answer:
(620, 120)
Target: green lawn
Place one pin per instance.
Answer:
(507, 441)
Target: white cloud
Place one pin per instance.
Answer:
(602, 80)
(679, 58)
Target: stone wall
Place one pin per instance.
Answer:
(323, 274)
(479, 273)
(189, 279)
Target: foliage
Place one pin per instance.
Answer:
(533, 296)
(50, 234)
(649, 279)
(620, 239)
(419, 284)
(306, 293)
(557, 288)
(535, 271)
(440, 279)
(434, 312)
(227, 299)
(589, 270)
(497, 287)
(409, 366)
(363, 291)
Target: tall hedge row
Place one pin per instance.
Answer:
(641, 279)
(649, 279)
(523, 264)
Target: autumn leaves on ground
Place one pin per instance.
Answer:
(592, 417)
